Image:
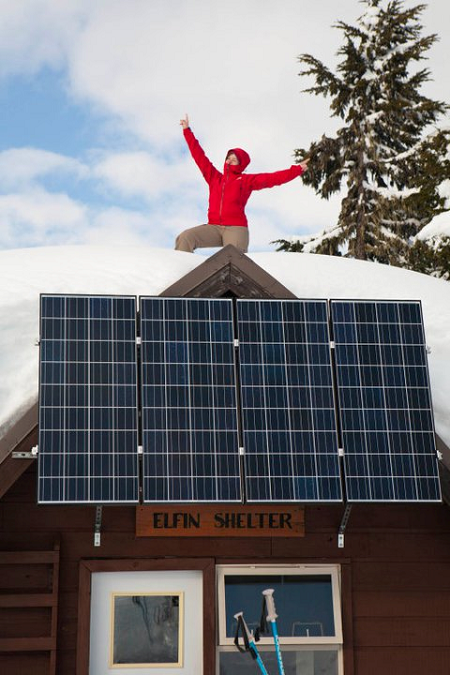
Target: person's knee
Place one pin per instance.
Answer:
(242, 245)
(239, 238)
(184, 242)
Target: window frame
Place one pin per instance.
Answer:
(332, 571)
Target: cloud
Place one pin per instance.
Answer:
(142, 174)
(117, 226)
(290, 209)
(38, 33)
(232, 65)
(36, 217)
(19, 166)
(41, 218)
(109, 183)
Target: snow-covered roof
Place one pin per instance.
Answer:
(25, 273)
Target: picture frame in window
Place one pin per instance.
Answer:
(147, 630)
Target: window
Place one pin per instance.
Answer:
(307, 600)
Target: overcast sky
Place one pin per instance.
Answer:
(92, 91)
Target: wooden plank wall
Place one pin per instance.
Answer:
(396, 565)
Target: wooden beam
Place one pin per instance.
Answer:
(27, 644)
(28, 600)
(29, 557)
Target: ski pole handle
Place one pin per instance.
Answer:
(272, 617)
(249, 642)
(270, 604)
(248, 633)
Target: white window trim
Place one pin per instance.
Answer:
(329, 570)
(264, 649)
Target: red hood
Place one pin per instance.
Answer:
(244, 160)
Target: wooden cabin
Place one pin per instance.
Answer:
(383, 569)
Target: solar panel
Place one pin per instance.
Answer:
(288, 412)
(189, 417)
(385, 402)
(88, 439)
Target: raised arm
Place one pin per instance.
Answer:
(268, 180)
(207, 168)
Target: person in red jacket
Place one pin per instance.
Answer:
(228, 194)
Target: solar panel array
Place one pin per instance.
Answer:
(189, 416)
(88, 438)
(290, 438)
(237, 400)
(384, 401)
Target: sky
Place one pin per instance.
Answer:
(92, 91)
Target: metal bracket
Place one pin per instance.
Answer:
(98, 525)
(32, 454)
(343, 525)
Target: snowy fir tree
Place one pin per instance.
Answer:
(380, 156)
(430, 249)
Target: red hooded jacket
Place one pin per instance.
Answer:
(229, 191)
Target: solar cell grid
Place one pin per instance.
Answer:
(289, 424)
(189, 417)
(191, 386)
(384, 401)
(88, 400)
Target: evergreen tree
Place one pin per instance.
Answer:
(379, 155)
(429, 251)
(431, 256)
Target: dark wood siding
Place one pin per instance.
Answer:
(395, 570)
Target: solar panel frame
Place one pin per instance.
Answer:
(381, 382)
(283, 346)
(88, 429)
(189, 402)
(384, 400)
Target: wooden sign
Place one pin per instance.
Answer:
(216, 520)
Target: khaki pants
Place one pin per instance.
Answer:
(207, 236)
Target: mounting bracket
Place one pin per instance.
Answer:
(98, 525)
(343, 525)
(32, 454)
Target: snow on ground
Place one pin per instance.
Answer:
(25, 273)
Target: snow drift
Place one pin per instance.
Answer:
(25, 273)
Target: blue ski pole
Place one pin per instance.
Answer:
(249, 641)
(272, 617)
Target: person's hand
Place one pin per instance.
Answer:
(305, 163)
(185, 122)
